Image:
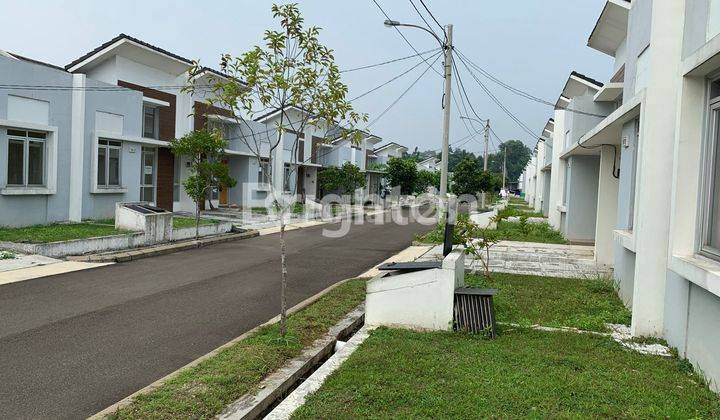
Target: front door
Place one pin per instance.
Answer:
(148, 165)
(223, 200)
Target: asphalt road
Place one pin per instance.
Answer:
(72, 344)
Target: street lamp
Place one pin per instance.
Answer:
(447, 46)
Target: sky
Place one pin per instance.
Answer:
(532, 45)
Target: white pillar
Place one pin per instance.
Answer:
(606, 208)
(557, 174)
(77, 143)
(655, 163)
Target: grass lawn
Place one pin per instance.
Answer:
(259, 210)
(58, 232)
(180, 222)
(204, 390)
(529, 232)
(523, 373)
(554, 302)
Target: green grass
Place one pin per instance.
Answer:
(523, 373)
(511, 211)
(529, 232)
(180, 222)
(58, 232)
(203, 391)
(554, 302)
(506, 231)
(259, 210)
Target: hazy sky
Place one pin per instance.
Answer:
(530, 44)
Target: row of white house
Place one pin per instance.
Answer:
(75, 140)
(632, 165)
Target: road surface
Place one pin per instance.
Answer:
(72, 344)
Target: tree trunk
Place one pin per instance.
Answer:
(283, 284)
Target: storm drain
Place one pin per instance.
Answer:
(474, 312)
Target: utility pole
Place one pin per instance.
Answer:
(485, 160)
(446, 117)
(504, 166)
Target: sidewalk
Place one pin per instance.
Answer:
(28, 267)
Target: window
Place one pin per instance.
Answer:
(713, 27)
(710, 245)
(176, 178)
(26, 158)
(286, 178)
(151, 122)
(147, 175)
(264, 172)
(108, 165)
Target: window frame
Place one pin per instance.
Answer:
(264, 172)
(711, 149)
(143, 151)
(107, 146)
(156, 121)
(42, 138)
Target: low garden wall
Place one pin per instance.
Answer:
(205, 230)
(79, 246)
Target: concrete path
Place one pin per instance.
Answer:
(24, 261)
(530, 258)
(72, 344)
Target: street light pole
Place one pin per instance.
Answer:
(446, 117)
(504, 166)
(447, 75)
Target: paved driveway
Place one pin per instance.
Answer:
(72, 344)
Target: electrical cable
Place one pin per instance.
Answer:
(403, 36)
(391, 80)
(369, 66)
(402, 94)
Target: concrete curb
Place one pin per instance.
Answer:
(278, 383)
(297, 398)
(152, 251)
(127, 400)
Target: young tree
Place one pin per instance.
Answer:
(345, 179)
(469, 178)
(292, 70)
(205, 150)
(427, 179)
(402, 172)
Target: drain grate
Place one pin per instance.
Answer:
(474, 312)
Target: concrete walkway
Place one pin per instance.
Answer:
(530, 258)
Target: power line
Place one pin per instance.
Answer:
(423, 19)
(432, 16)
(391, 80)
(403, 36)
(403, 94)
(389, 61)
(520, 124)
(521, 92)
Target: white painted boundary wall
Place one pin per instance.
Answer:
(421, 300)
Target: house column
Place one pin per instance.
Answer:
(557, 174)
(77, 143)
(655, 163)
(606, 207)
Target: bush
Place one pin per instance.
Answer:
(403, 173)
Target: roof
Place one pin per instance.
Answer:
(391, 144)
(75, 64)
(576, 85)
(269, 114)
(611, 27)
(31, 60)
(431, 158)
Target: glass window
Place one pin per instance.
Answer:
(150, 122)
(147, 175)
(711, 229)
(176, 178)
(26, 158)
(286, 179)
(108, 164)
(16, 152)
(713, 27)
(264, 172)
(633, 174)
